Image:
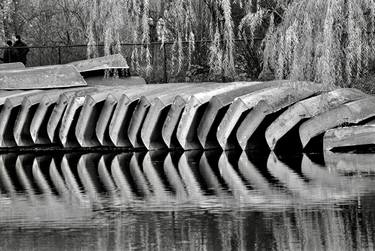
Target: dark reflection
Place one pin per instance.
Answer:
(192, 200)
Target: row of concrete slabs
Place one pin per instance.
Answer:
(128, 113)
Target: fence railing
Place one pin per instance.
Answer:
(163, 69)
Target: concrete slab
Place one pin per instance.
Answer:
(216, 109)
(90, 117)
(12, 66)
(151, 132)
(70, 119)
(8, 115)
(54, 121)
(115, 61)
(187, 128)
(270, 105)
(236, 112)
(306, 109)
(142, 108)
(44, 77)
(38, 125)
(352, 112)
(27, 113)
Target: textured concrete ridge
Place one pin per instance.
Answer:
(184, 115)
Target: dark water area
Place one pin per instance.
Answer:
(187, 201)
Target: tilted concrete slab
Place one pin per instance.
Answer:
(174, 114)
(216, 109)
(12, 66)
(353, 113)
(115, 61)
(272, 104)
(69, 120)
(90, 117)
(27, 113)
(142, 108)
(349, 137)
(54, 121)
(44, 77)
(306, 109)
(187, 128)
(44, 111)
(118, 127)
(226, 131)
(8, 115)
(151, 132)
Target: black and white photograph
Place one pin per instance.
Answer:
(187, 125)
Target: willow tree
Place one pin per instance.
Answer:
(116, 21)
(330, 41)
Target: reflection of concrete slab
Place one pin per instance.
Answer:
(349, 136)
(306, 109)
(44, 77)
(271, 105)
(353, 113)
(350, 163)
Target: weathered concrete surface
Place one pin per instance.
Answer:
(105, 116)
(306, 109)
(216, 109)
(44, 77)
(270, 105)
(115, 61)
(187, 128)
(353, 112)
(122, 115)
(239, 109)
(142, 109)
(89, 118)
(174, 114)
(27, 113)
(349, 136)
(12, 66)
(54, 121)
(151, 132)
(8, 116)
(69, 120)
(39, 122)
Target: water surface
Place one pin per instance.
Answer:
(187, 201)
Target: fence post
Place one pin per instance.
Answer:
(59, 50)
(165, 64)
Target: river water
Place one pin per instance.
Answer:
(187, 201)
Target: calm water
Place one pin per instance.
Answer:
(187, 201)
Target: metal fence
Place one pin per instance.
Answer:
(163, 69)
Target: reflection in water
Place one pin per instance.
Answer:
(191, 200)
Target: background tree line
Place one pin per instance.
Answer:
(329, 41)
